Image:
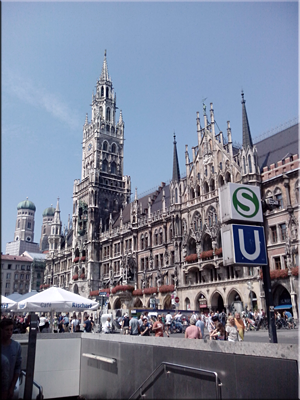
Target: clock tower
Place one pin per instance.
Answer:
(103, 190)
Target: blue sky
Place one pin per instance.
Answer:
(164, 58)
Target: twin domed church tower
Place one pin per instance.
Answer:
(110, 242)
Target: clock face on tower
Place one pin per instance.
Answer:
(90, 147)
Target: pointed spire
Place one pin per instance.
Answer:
(121, 117)
(86, 119)
(247, 139)
(176, 171)
(104, 74)
(135, 195)
(57, 205)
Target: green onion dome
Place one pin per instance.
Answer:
(26, 205)
(49, 212)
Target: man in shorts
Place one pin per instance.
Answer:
(168, 323)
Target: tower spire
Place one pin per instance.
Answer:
(247, 139)
(176, 171)
(104, 74)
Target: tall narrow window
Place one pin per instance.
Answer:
(249, 164)
(108, 114)
(282, 231)
(274, 234)
(244, 163)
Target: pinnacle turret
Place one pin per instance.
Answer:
(176, 171)
(247, 139)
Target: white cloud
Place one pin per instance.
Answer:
(39, 97)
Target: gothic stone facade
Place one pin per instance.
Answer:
(168, 241)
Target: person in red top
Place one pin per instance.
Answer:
(158, 326)
(192, 331)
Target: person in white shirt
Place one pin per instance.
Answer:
(168, 322)
(42, 322)
(107, 326)
(74, 323)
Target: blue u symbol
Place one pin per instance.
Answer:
(244, 252)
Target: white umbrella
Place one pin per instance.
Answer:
(7, 304)
(57, 299)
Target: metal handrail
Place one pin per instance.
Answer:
(166, 364)
(40, 395)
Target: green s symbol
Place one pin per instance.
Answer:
(245, 202)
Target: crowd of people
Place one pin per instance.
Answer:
(220, 326)
(62, 322)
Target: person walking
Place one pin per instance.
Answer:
(158, 327)
(145, 328)
(231, 330)
(87, 324)
(239, 323)
(200, 324)
(134, 327)
(125, 325)
(193, 331)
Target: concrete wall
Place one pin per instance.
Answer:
(245, 370)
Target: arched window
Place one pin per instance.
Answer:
(249, 164)
(227, 177)
(142, 242)
(104, 166)
(192, 193)
(146, 241)
(104, 146)
(198, 190)
(18, 223)
(106, 204)
(156, 237)
(160, 236)
(101, 112)
(205, 187)
(278, 196)
(244, 163)
(113, 148)
(108, 114)
(102, 91)
(113, 168)
(176, 195)
(107, 92)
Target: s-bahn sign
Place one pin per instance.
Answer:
(240, 203)
(243, 245)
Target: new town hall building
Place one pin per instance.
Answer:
(169, 241)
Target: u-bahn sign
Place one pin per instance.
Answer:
(240, 203)
(243, 245)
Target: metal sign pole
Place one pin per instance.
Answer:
(269, 304)
(31, 356)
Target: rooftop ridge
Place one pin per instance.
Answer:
(275, 130)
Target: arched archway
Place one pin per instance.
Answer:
(167, 302)
(201, 303)
(187, 304)
(235, 302)
(191, 246)
(207, 243)
(117, 304)
(138, 303)
(217, 302)
(75, 288)
(281, 296)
